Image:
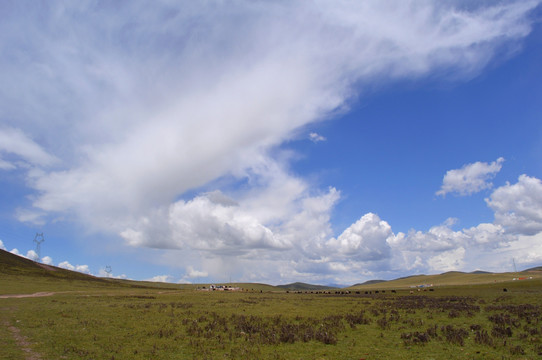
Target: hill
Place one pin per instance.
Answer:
(538, 268)
(21, 275)
(299, 286)
(451, 278)
(370, 282)
(11, 264)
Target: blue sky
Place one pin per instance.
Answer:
(324, 142)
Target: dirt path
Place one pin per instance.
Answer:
(22, 342)
(17, 296)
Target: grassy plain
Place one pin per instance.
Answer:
(97, 319)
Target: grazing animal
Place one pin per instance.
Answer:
(505, 289)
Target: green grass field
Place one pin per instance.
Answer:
(89, 318)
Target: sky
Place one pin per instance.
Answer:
(328, 142)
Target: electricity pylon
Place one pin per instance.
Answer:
(38, 239)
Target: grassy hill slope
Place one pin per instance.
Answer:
(15, 265)
(299, 286)
(21, 275)
(451, 278)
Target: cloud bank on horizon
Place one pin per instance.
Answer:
(162, 126)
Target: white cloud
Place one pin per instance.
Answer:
(470, 179)
(488, 236)
(15, 252)
(204, 225)
(365, 240)
(4, 165)
(2, 247)
(32, 255)
(447, 261)
(14, 141)
(518, 207)
(161, 278)
(314, 137)
(47, 260)
(437, 238)
(104, 273)
(443, 249)
(30, 216)
(276, 213)
(79, 268)
(192, 273)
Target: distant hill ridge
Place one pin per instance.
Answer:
(538, 268)
(299, 286)
(11, 264)
(370, 282)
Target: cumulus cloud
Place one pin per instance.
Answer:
(79, 268)
(471, 178)
(437, 238)
(442, 248)
(518, 207)
(365, 240)
(447, 261)
(32, 255)
(192, 273)
(204, 225)
(278, 213)
(47, 260)
(161, 278)
(2, 247)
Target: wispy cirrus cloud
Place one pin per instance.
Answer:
(315, 137)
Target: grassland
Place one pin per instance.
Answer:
(102, 319)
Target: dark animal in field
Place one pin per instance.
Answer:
(505, 289)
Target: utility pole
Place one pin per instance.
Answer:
(38, 239)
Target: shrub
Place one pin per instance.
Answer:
(454, 335)
(483, 338)
(416, 337)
